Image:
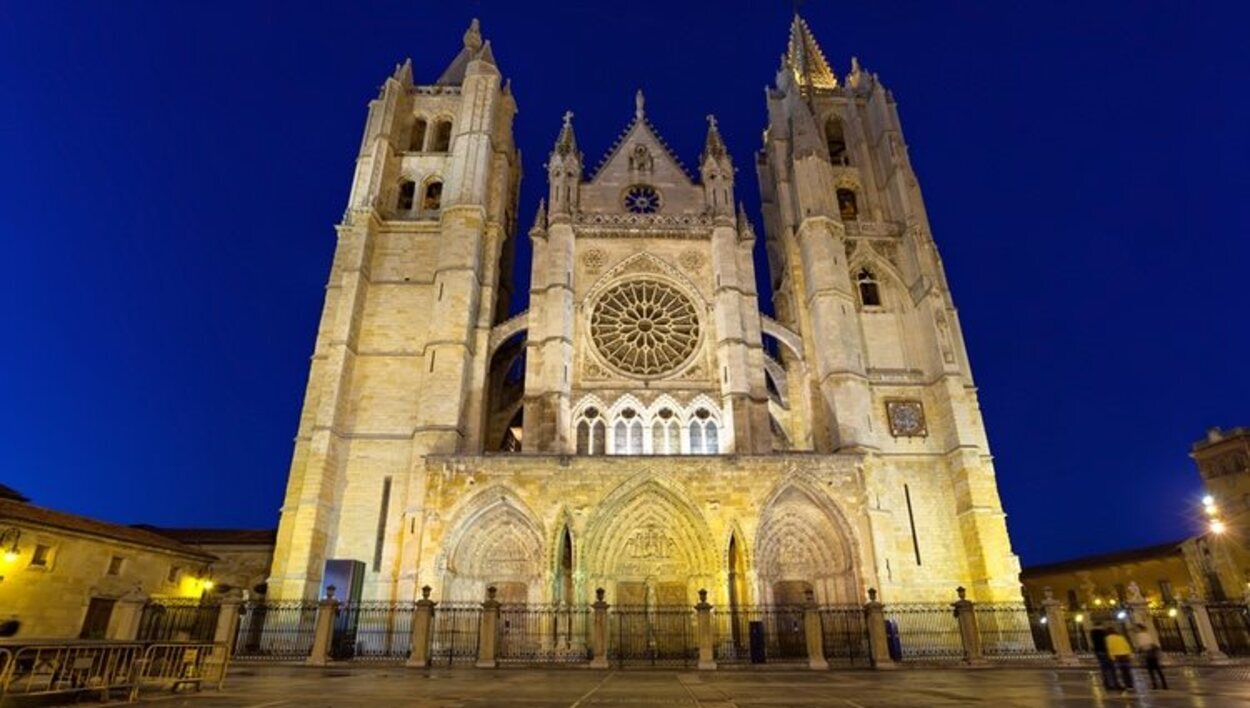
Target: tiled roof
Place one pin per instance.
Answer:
(7, 492)
(19, 512)
(217, 537)
(1161, 550)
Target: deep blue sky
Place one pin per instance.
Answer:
(170, 174)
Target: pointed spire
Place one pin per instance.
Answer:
(714, 145)
(566, 144)
(806, 60)
(640, 103)
(473, 36)
(540, 218)
(485, 56)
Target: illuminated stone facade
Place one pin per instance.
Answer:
(641, 427)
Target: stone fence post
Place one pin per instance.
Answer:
(228, 621)
(966, 614)
(1139, 613)
(127, 612)
(703, 632)
(814, 633)
(1206, 633)
(878, 643)
(323, 634)
(599, 633)
(489, 631)
(1057, 628)
(422, 628)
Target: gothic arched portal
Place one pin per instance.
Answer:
(496, 543)
(804, 544)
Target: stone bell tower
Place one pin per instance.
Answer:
(421, 272)
(855, 272)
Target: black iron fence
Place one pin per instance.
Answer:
(373, 631)
(1010, 631)
(455, 635)
(652, 636)
(1231, 624)
(543, 634)
(845, 635)
(759, 635)
(923, 632)
(178, 619)
(279, 631)
(1176, 630)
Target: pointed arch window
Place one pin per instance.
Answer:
(592, 432)
(869, 289)
(407, 194)
(836, 141)
(627, 433)
(847, 204)
(666, 433)
(416, 141)
(442, 137)
(432, 199)
(704, 433)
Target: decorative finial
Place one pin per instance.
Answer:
(425, 592)
(568, 119)
(855, 65)
(639, 102)
(473, 36)
(711, 121)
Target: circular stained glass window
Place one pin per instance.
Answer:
(645, 327)
(642, 199)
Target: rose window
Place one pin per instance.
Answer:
(642, 199)
(644, 327)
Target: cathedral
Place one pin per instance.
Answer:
(642, 426)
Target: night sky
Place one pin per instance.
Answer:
(170, 174)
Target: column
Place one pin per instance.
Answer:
(878, 645)
(599, 633)
(327, 609)
(965, 612)
(489, 631)
(814, 633)
(1057, 627)
(1206, 633)
(703, 632)
(422, 626)
(228, 620)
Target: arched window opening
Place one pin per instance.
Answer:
(407, 193)
(433, 198)
(704, 435)
(564, 572)
(666, 433)
(628, 433)
(591, 432)
(737, 593)
(416, 142)
(442, 137)
(869, 290)
(836, 142)
(847, 205)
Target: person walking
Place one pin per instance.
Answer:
(1098, 642)
(1121, 652)
(1150, 650)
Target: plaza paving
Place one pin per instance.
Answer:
(275, 686)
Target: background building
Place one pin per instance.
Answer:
(642, 427)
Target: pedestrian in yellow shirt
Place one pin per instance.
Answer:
(1121, 652)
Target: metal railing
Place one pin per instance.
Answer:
(652, 636)
(178, 619)
(1009, 631)
(6, 661)
(759, 635)
(1231, 624)
(546, 634)
(373, 631)
(845, 635)
(71, 669)
(925, 632)
(280, 631)
(454, 639)
(1175, 628)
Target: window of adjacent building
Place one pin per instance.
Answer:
(442, 137)
(1073, 602)
(869, 289)
(174, 572)
(1120, 594)
(432, 200)
(115, 565)
(847, 205)
(416, 142)
(1166, 592)
(407, 195)
(40, 557)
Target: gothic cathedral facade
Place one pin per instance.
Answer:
(642, 427)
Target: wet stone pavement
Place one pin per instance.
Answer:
(378, 687)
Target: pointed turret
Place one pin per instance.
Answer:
(566, 143)
(564, 170)
(539, 229)
(717, 173)
(403, 73)
(806, 61)
(713, 146)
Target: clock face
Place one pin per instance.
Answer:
(906, 418)
(642, 199)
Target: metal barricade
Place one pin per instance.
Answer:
(71, 669)
(543, 634)
(923, 632)
(455, 636)
(175, 665)
(276, 631)
(1009, 631)
(6, 664)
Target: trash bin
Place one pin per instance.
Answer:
(756, 631)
